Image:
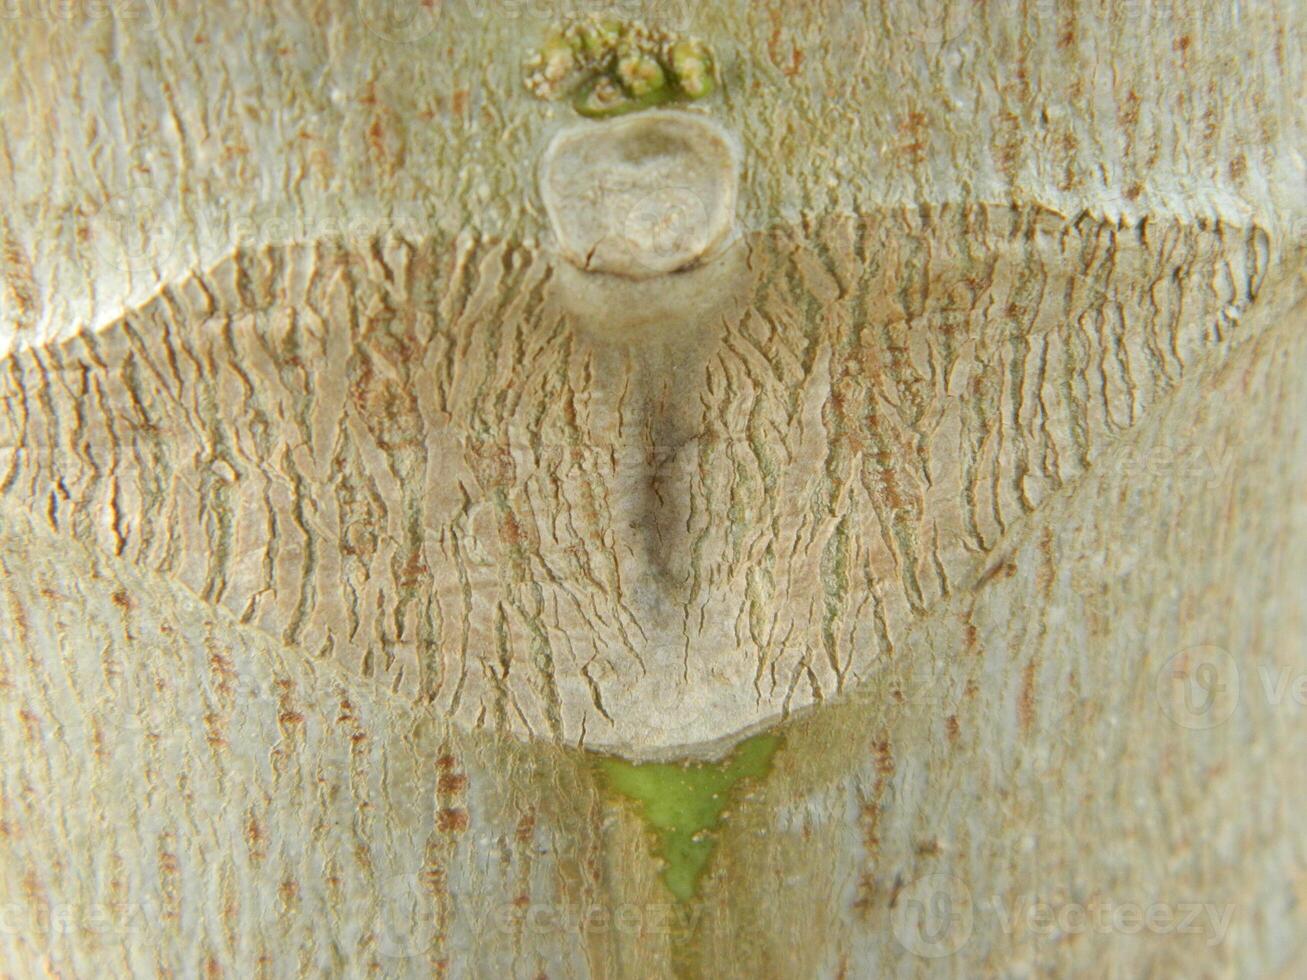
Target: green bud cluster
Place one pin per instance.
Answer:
(607, 67)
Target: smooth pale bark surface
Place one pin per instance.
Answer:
(337, 512)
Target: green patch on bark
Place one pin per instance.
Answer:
(610, 67)
(685, 803)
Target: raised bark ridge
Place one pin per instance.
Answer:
(410, 458)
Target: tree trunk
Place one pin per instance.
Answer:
(911, 585)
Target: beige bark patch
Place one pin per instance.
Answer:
(412, 458)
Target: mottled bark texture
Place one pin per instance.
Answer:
(412, 461)
(337, 512)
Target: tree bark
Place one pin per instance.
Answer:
(348, 530)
